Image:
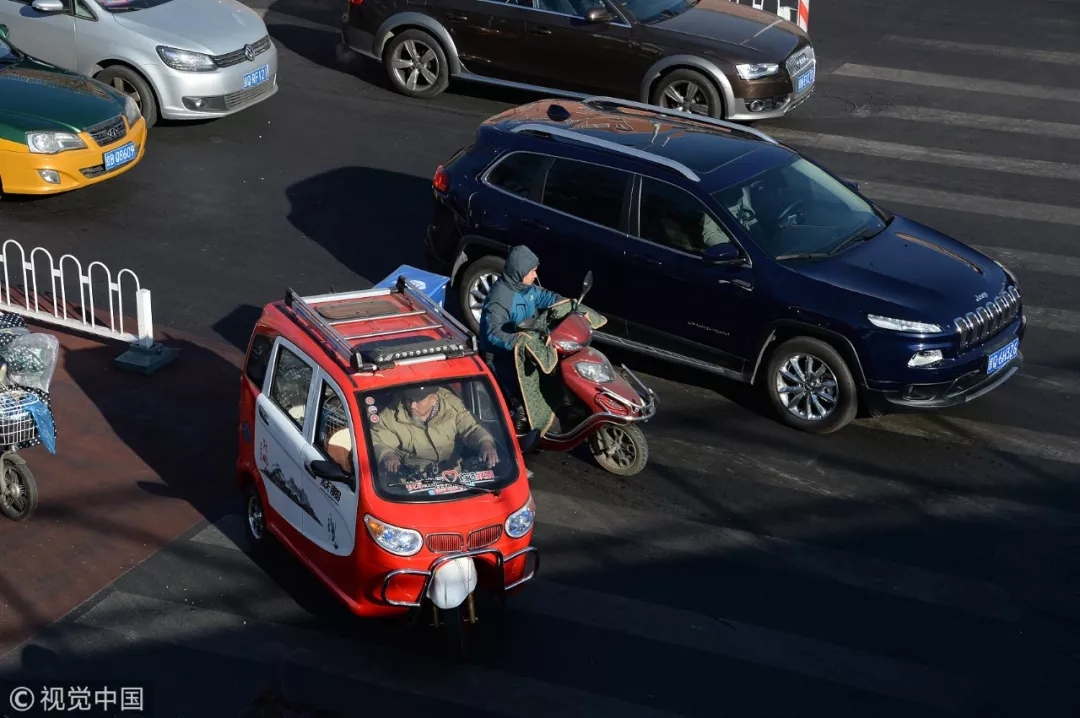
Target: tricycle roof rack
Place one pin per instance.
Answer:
(378, 329)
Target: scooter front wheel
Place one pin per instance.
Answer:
(19, 493)
(620, 450)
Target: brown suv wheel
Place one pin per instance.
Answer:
(688, 91)
(417, 65)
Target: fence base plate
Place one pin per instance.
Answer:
(143, 360)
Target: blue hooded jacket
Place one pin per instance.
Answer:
(510, 301)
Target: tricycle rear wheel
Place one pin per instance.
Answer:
(20, 499)
(620, 450)
(455, 628)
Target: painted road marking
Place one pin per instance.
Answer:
(967, 432)
(1071, 59)
(698, 538)
(752, 644)
(148, 620)
(935, 116)
(974, 204)
(932, 155)
(954, 82)
(1033, 261)
(872, 574)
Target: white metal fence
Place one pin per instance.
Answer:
(794, 11)
(45, 296)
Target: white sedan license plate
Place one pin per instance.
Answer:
(120, 156)
(1002, 356)
(257, 77)
(804, 80)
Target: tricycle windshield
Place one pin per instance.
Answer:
(435, 441)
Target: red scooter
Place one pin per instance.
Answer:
(598, 404)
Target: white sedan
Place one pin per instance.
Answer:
(178, 59)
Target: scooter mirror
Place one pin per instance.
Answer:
(585, 287)
(527, 442)
(527, 324)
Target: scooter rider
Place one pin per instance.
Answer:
(513, 299)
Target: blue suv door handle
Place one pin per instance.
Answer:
(646, 258)
(535, 224)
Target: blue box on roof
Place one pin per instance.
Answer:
(433, 285)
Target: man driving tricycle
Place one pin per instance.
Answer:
(375, 446)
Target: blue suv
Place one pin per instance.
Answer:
(715, 246)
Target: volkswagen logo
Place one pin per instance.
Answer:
(249, 52)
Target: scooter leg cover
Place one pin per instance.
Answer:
(452, 583)
(534, 359)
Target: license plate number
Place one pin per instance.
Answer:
(120, 156)
(804, 80)
(1002, 356)
(257, 77)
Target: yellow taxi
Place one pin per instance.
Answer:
(60, 131)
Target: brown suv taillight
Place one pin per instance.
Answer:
(441, 180)
(356, 2)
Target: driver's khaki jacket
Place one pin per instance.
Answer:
(417, 444)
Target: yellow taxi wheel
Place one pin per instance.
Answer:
(134, 86)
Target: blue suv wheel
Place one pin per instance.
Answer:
(811, 386)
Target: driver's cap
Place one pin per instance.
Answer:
(419, 393)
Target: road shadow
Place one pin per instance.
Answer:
(180, 422)
(366, 218)
(235, 327)
(319, 47)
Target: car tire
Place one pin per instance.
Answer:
(789, 365)
(416, 46)
(259, 537)
(133, 85)
(473, 286)
(670, 93)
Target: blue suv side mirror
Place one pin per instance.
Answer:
(851, 184)
(725, 253)
(3, 32)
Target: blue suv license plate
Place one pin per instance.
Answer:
(1002, 356)
(804, 80)
(257, 77)
(120, 156)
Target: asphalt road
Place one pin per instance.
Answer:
(921, 565)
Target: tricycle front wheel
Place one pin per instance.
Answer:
(18, 492)
(621, 450)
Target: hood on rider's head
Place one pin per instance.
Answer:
(519, 262)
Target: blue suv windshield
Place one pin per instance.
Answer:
(797, 210)
(650, 11)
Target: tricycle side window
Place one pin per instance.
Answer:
(333, 428)
(290, 386)
(259, 359)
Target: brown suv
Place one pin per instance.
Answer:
(711, 57)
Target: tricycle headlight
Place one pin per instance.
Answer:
(131, 111)
(521, 521)
(569, 346)
(398, 541)
(903, 325)
(599, 372)
(49, 143)
(185, 59)
(758, 70)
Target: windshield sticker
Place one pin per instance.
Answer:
(449, 482)
(369, 400)
(373, 418)
(373, 410)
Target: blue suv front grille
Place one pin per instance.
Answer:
(988, 320)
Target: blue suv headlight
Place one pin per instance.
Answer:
(903, 325)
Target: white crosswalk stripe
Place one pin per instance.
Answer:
(934, 155)
(991, 206)
(1071, 59)
(1024, 261)
(931, 115)
(953, 82)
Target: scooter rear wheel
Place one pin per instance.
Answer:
(620, 450)
(21, 500)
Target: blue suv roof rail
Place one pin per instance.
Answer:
(617, 103)
(611, 146)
